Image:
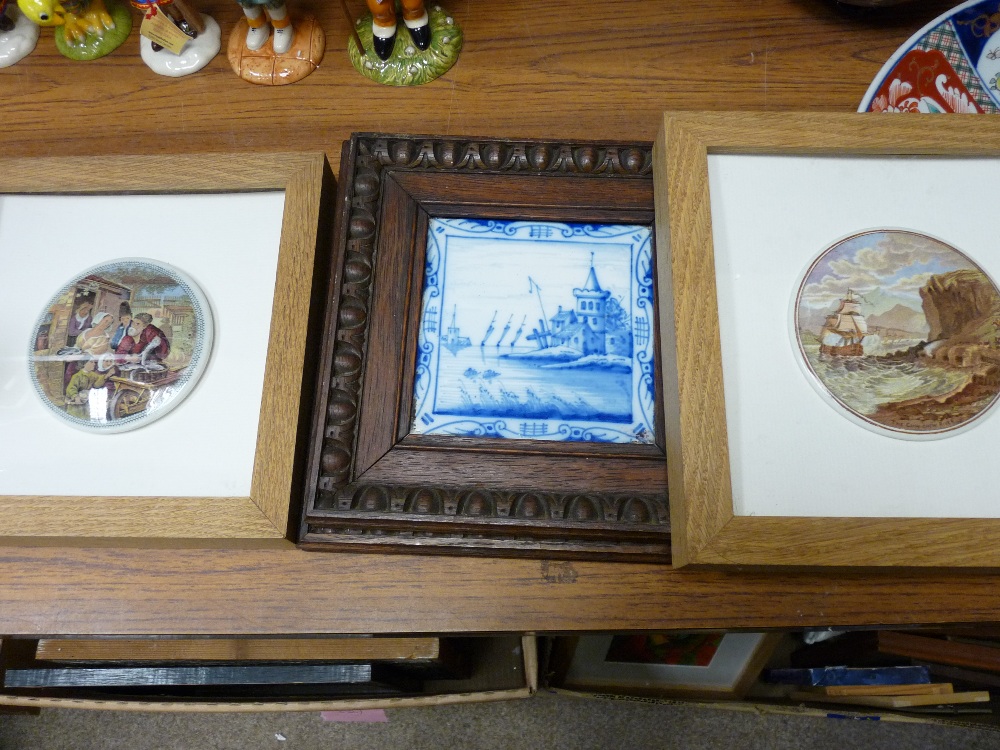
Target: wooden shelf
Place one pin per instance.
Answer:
(586, 69)
(580, 70)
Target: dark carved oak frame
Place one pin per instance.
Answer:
(372, 485)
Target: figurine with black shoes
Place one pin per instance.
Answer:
(6, 22)
(427, 50)
(384, 26)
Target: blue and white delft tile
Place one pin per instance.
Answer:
(536, 331)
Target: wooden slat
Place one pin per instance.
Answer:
(126, 592)
(134, 517)
(79, 677)
(892, 701)
(970, 655)
(929, 688)
(234, 649)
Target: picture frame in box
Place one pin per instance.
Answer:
(696, 665)
(222, 467)
(446, 420)
(749, 206)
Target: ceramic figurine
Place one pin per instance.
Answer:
(415, 18)
(428, 49)
(295, 49)
(260, 23)
(204, 44)
(87, 29)
(17, 34)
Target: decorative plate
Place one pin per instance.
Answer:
(902, 331)
(951, 65)
(120, 345)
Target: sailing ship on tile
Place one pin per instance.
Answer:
(844, 329)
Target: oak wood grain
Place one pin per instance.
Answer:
(699, 481)
(585, 69)
(580, 70)
(67, 591)
(238, 649)
(265, 512)
(283, 417)
(162, 517)
(704, 527)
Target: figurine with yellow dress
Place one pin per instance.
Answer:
(85, 29)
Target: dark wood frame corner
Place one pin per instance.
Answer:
(372, 485)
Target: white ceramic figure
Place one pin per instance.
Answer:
(261, 15)
(196, 54)
(18, 35)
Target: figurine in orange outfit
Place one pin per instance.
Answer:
(415, 19)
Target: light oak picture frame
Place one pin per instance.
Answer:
(262, 516)
(705, 528)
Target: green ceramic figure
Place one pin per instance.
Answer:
(87, 29)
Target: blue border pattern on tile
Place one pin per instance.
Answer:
(583, 374)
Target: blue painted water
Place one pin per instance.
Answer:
(480, 382)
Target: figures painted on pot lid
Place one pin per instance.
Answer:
(121, 345)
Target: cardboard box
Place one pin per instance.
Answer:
(503, 668)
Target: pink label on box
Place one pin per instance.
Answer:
(370, 716)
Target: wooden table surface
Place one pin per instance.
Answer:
(601, 70)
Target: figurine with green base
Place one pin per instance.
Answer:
(87, 28)
(426, 51)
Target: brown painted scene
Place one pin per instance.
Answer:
(902, 330)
